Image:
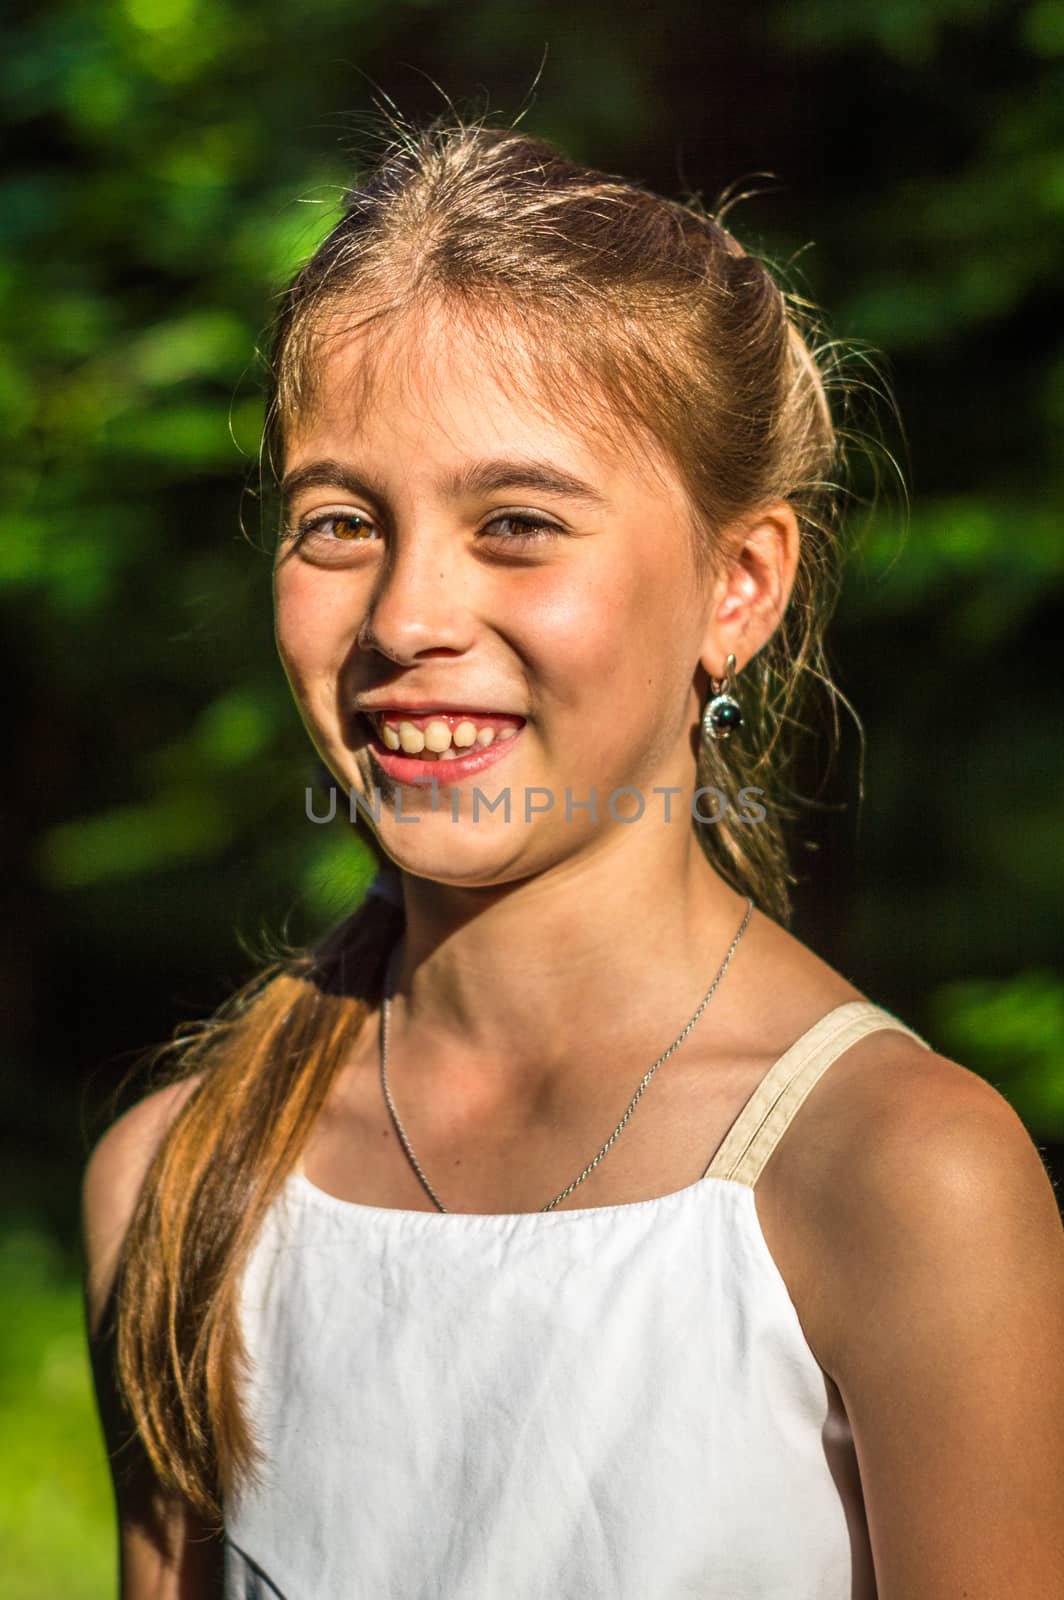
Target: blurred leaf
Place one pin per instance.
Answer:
(56, 1517)
(161, 16)
(200, 344)
(1010, 550)
(339, 868)
(1011, 1031)
(1043, 27)
(75, 556)
(906, 29)
(235, 728)
(193, 435)
(131, 840)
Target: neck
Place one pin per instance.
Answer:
(604, 956)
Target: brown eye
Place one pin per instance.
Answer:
(331, 527)
(530, 529)
(348, 527)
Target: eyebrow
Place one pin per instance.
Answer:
(481, 477)
(485, 477)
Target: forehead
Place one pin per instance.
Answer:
(440, 382)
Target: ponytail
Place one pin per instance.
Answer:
(264, 1066)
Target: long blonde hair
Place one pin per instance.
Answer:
(608, 294)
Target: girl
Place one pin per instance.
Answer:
(562, 1226)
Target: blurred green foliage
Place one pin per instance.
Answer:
(1012, 1031)
(55, 1494)
(167, 164)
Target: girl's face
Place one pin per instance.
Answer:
(523, 595)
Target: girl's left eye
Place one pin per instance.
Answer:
(534, 529)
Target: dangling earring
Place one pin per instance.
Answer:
(722, 715)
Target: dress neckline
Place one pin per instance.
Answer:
(302, 1186)
(804, 1053)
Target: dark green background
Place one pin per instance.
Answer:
(167, 163)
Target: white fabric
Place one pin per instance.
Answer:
(615, 1403)
(610, 1403)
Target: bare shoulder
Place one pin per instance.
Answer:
(920, 1139)
(902, 1157)
(927, 1254)
(112, 1182)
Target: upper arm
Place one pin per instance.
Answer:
(945, 1270)
(165, 1551)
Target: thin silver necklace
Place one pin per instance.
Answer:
(386, 1007)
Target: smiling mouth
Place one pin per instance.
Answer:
(494, 736)
(439, 736)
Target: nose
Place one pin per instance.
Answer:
(418, 605)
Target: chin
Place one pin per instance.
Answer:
(481, 856)
(456, 858)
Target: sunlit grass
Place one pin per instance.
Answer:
(56, 1520)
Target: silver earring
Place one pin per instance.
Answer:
(722, 715)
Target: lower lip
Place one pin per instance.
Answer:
(409, 769)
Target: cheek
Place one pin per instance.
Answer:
(312, 622)
(588, 634)
(314, 633)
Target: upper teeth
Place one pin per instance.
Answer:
(438, 739)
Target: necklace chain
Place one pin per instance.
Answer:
(386, 1008)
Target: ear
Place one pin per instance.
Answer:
(748, 600)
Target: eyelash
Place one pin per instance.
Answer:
(544, 530)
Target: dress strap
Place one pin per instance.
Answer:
(766, 1115)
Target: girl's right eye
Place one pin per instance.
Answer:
(347, 527)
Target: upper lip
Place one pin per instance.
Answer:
(418, 708)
